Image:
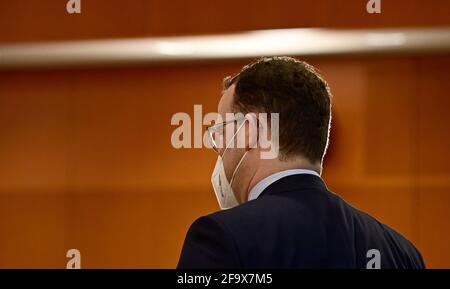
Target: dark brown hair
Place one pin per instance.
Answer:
(296, 91)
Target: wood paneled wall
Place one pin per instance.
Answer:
(40, 20)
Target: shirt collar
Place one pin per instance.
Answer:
(264, 183)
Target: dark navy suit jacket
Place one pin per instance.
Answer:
(295, 223)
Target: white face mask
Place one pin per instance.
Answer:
(222, 188)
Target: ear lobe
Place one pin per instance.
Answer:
(253, 129)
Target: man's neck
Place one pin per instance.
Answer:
(270, 167)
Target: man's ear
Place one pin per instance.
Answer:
(252, 130)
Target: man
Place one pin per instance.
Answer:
(280, 213)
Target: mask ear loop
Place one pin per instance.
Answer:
(232, 139)
(237, 167)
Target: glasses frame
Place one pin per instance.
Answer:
(214, 129)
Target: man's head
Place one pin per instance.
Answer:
(300, 96)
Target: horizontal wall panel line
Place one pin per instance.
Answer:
(293, 42)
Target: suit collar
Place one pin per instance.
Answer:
(267, 181)
(294, 183)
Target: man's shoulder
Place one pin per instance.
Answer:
(264, 211)
(374, 233)
(250, 209)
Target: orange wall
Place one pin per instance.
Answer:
(86, 160)
(38, 20)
